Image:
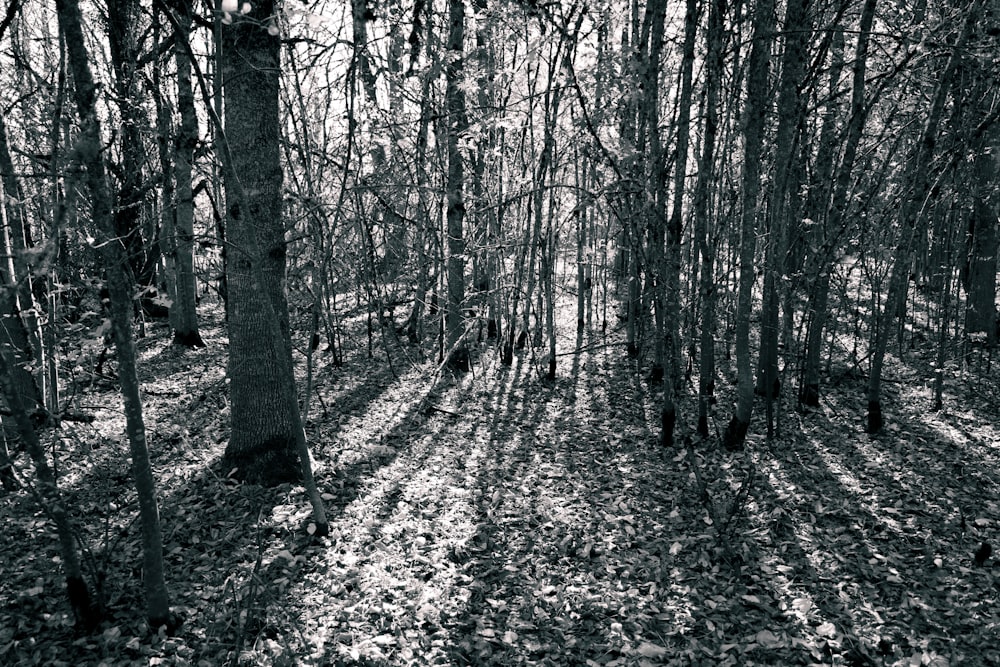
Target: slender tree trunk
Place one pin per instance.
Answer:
(815, 238)
(919, 180)
(458, 124)
(14, 340)
(18, 300)
(218, 189)
(548, 272)
(981, 310)
(415, 326)
(533, 227)
(184, 317)
(664, 237)
(580, 216)
(123, 20)
(947, 268)
(753, 132)
(837, 211)
(789, 111)
(704, 248)
(116, 260)
(168, 192)
(87, 613)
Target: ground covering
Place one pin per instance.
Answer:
(494, 518)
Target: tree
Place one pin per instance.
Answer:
(835, 210)
(783, 206)
(183, 314)
(86, 610)
(124, 35)
(918, 182)
(982, 239)
(458, 124)
(706, 251)
(664, 238)
(263, 313)
(753, 133)
(262, 443)
(88, 150)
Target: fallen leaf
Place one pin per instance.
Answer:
(649, 650)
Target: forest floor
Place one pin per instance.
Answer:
(499, 519)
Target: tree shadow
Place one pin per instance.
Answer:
(542, 533)
(850, 558)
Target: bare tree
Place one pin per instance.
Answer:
(458, 124)
(88, 149)
(753, 132)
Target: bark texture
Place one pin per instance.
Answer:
(88, 152)
(262, 440)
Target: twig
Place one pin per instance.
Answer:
(433, 408)
(736, 506)
(704, 495)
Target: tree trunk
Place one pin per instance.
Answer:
(262, 442)
(981, 310)
(123, 21)
(919, 180)
(17, 301)
(88, 149)
(255, 47)
(702, 234)
(753, 132)
(458, 124)
(184, 317)
(415, 325)
(87, 613)
(836, 213)
(789, 110)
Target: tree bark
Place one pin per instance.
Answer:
(753, 133)
(129, 204)
(252, 258)
(836, 212)
(262, 442)
(789, 111)
(919, 181)
(981, 288)
(88, 150)
(86, 610)
(702, 234)
(184, 316)
(458, 124)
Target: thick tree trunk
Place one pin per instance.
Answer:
(262, 442)
(255, 47)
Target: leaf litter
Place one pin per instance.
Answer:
(499, 519)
